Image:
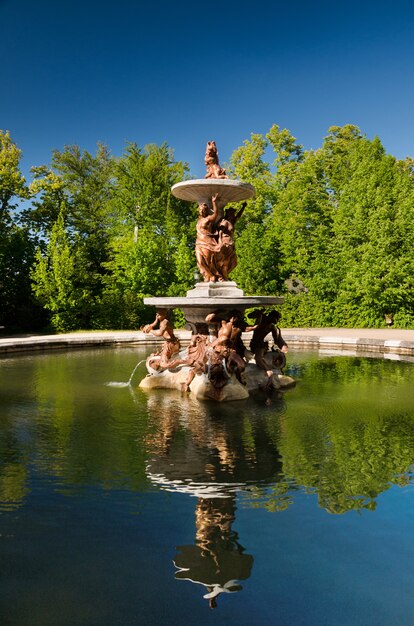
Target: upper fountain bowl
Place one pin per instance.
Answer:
(202, 189)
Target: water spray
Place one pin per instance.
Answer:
(115, 384)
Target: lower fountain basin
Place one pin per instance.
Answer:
(208, 298)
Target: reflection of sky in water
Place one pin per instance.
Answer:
(99, 482)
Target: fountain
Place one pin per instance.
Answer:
(216, 364)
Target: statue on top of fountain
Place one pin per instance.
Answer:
(214, 170)
(214, 247)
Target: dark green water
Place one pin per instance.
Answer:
(122, 508)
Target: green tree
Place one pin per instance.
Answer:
(53, 275)
(78, 186)
(142, 192)
(373, 228)
(331, 228)
(258, 243)
(258, 268)
(250, 163)
(18, 310)
(151, 236)
(13, 186)
(303, 222)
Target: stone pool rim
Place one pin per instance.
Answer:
(381, 341)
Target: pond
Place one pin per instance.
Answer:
(118, 507)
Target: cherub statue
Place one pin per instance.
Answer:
(171, 345)
(226, 258)
(226, 343)
(211, 160)
(265, 324)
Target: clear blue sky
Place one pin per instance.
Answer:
(186, 72)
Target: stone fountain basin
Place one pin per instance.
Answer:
(204, 306)
(202, 189)
(208, 298)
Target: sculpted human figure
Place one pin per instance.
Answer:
(171, 345)
(211, 160)
(226, 258)
(224, 331)
(239, 326)
(196, 359)
(215, 249)
(226, 343)
(266, 324)
(206, 246)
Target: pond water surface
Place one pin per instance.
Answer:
(118, 507)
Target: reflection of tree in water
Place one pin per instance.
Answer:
(13, 465)
(342, 436)
(349, 464)
(13, 485)
(346, 369)
(355, 440)
(217, 559)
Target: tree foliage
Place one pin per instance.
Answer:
(150, 235)
(340, 219)
(17, 246)
(54, 278)
(330, 229)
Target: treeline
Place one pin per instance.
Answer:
(332, 230)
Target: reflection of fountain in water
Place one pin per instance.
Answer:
(217, 559)
(212, 454)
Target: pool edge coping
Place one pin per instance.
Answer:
(384, 341)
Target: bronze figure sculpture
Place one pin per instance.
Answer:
(171, 345)
(215, 249)
(211, 161)
(226, 258)
(206, 246)
(196, 359)
(227, 344)
(222, 354)
(266, 323)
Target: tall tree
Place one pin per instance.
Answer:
(12, 183)
(54, 279)
(258, 242)
(17, 307)
(374, 234)
(303, 222)
(331, 228)
(78, 187)
(151, 236)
